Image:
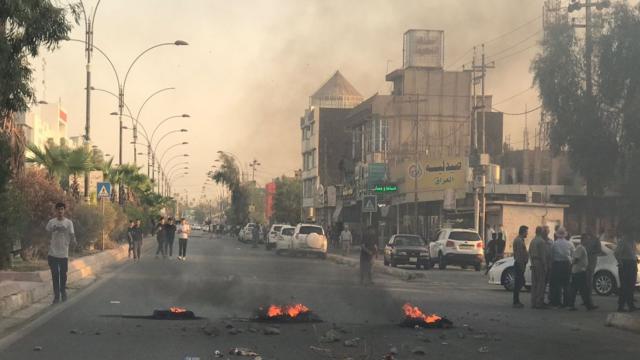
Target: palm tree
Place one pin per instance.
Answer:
(79, 160)
(52, 158)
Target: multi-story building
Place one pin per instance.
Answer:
(44, 123)
(326, 144)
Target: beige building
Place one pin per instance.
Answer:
(44, 123)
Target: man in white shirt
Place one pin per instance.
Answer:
(562, 254)
(183, 230)
(62, 234)
(345, 240)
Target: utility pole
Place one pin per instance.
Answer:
(253, 165)
(417, 163)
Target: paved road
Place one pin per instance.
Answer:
(223, 278)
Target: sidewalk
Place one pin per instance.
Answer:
(353, 260)
(18, 289)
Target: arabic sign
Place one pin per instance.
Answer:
(385, 188)
(433, 174)
(423, 48)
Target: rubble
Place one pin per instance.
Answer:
(217, 354)
(352, 342)
(243, 352)
(483, 349)
(320, 350)
(419, 350)
(74, 331)
(37, 348)
(210, 330)
(235, 331)
(330, 336)
(393, 351)
(269, 330)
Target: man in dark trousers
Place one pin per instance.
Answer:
(170, 236)
(368, 251)
(160, 237)
(538, 256)
(137, 240)
(521, 257)
(594, 248)
(562, 252)
(62, 234)
(626, 254)
(130, 231)
(255, 235)
(579, 266)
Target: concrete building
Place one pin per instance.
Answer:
(44, 123)
(326, 144)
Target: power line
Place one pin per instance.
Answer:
(515, 53)
(515, 45)
(519, 114)
(514, 96)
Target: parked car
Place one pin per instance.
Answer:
(272, 236)
(405, 249)
(246, 233)
(196, 227)
(311, 239)
(461, 247)
(284, 239)
(605, 278)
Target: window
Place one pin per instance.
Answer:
(309, 160)
(379, 130)
(305, 230)
(464, 236)
(309, 187)
(409, 241)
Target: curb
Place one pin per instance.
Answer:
(24, 289)
(624, 321)
(379, 268)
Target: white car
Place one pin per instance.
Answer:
(605, 278)
(272, 236)
(461, 247)
(284, 239)
(311, 239)
(246, 234)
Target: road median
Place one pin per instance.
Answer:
(624, 321)
(377, 267)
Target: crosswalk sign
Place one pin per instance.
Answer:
(369, 204)
(104, 190)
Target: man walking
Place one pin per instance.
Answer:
(594, 248)
(546, 230)
(62, 234)
(368, 251)
(345, 240)
(137, 240)
(160, 237)
(626, 254)
(490, 254)
(130, 230)
(170, 236)
(579, 266)
(521, 257)
(184, 230)
(562, 252)
(255, 235)
(538, 256)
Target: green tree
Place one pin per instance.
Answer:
(27, 27)
(578, 124)
(287, 202)
(228, 174)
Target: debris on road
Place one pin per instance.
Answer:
(393, 351)
(74, 331)
(320, 350)
(483, 349)
(114, 302)
(330, 336)
(286, 313)
(174, 313)
(243, 352)
(235, 331)
(210, 330)
(413, 317)
(419, 350)
(352, 342)
(269, 330)
(461, 335)
(37, 348)
(218, 354)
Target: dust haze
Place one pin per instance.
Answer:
(251, 65)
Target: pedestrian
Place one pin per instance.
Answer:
(130, 231)
(546, 230)
(594, 249)
(490, 254)
(137, 240)
(183, 230)
(579, 267)
(160, 237)
(501, 244)
(501, 233)
(626, 254)
(521, 257)
(255, 234)
(538, 256)
(490, 235)
(346, 239)
(170, 236)
(368, 251)
(62, 234)
(562, 253)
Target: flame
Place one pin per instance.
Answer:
(177, 310)
(288, 310)
(414, 312)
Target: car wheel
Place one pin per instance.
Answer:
(604, 283)
(508, 278)
(476, 267)
(441, 262)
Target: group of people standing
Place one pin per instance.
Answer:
(134, 237)
(166, 231)
(568, 269)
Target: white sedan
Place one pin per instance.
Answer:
(605, 278)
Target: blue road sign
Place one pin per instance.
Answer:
(104, 190)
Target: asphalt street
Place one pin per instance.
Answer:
(224, 281)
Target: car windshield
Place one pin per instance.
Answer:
(288, 231)
(304, 230)
(464, 236)
(408, 241)
(277, 228)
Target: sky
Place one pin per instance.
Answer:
(251, 65)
